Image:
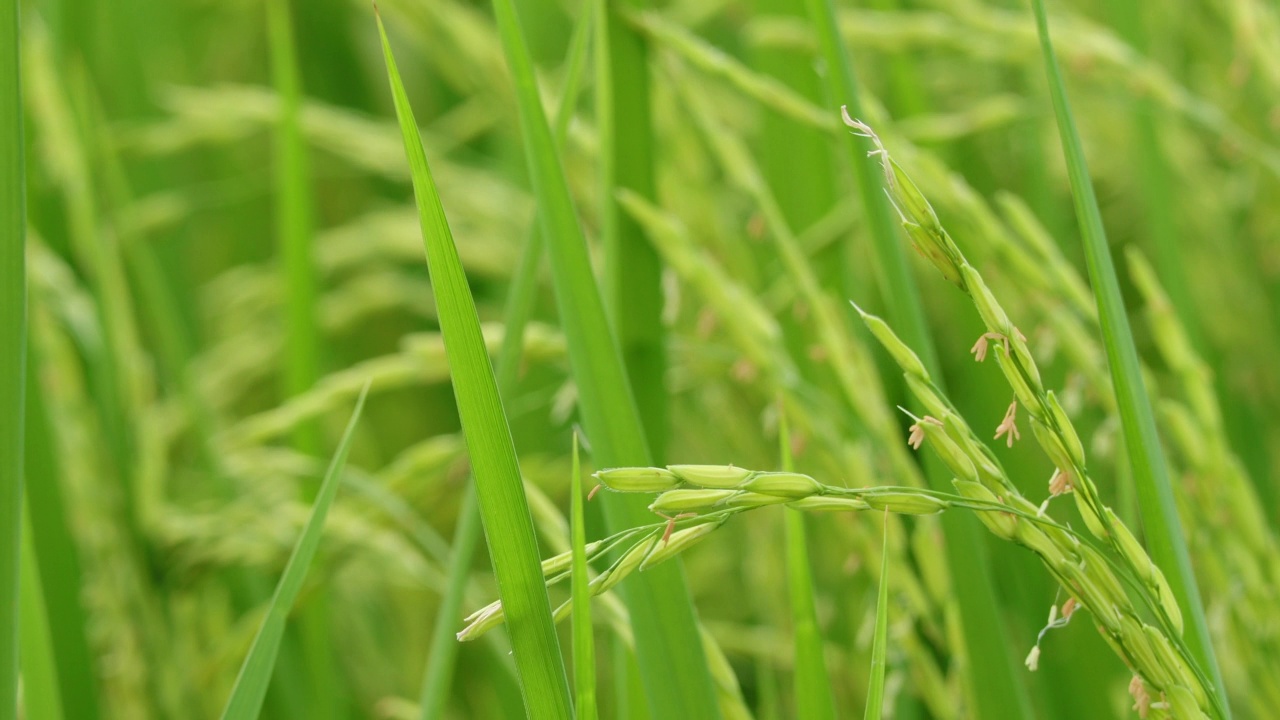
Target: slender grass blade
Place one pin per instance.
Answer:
(521, 299)
(293, 214)
(584, 653)
(1165, 539)
(57, 559)
(255, 674)
(672, 663)
(504, 509)
(880, 641)
(814, 699)
(632, 272)
(41, 694)
(13, 349)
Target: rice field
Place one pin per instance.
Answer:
(812, 359)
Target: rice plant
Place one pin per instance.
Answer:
(767, 359)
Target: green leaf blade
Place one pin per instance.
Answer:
(814, 699)
(1164, 534)
(672, 664)
(13, 352)
(250, 689)
(518, 309)
(504, 508)
(633, 271)
(880, 642)
(584, 654)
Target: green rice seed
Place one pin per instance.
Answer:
(949, 452)
(1035, 539)
(905, 503)
(1098, 569)
(993, 315)
(1167, 601)
(1029, 398)
(482, 621)
(1022, 353)
(1091, 519)
(903, 355)
(1052, 446)
(679, 541)
(1003, 524)
(711, 476)
(559, 563)
(1130, 548)
(989, 472)
(929, 246)
(828, 503)
(1136, 642)
(642, 479)
(685, 500)
(625, 566)
(1071, 440)
(1182, 703)
(928, 397)
(744, 499)
(789, 485)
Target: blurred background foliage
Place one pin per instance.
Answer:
(172, 460)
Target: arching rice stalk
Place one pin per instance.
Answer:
(1050, 424)
(707, 496)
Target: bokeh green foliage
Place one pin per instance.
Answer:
(167, 448)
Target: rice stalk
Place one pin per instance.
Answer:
(994, 689)
(294, 231)
(1052, 428)
(1142, 441)
(757, 338)
(710, 495)
(13, 350)
(1234, 546)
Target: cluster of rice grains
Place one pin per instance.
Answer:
(1107, 572)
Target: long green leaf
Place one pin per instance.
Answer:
(41, 693)
(880, 641)
(255, 674)
(57, 558)
(293, 216)
(293, 219)
(444, 646)
(504, 508)
(672, 664)
(521, 298)
(632, 272)
(13, 350)
(584, 653)
(1163, 530)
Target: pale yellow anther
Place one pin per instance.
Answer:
(1008, 427)
(1060, 483)
(979, 349)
